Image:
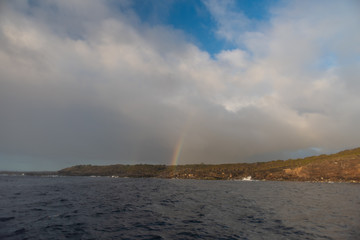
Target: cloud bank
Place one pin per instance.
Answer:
(91, 83)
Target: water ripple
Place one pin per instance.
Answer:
(105, 208)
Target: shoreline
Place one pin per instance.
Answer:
(343, 166)
(25, 174)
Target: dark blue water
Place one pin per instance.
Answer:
(107, 208)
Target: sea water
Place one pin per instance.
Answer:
(126, 208)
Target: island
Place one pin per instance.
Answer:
(343, 166)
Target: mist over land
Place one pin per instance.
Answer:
(185, 82)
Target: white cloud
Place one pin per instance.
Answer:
(231, 23)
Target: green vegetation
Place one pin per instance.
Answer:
(342, 166)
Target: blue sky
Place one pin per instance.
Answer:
(194, 19)
(191, 17)
(106, 82)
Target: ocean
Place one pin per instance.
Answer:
(129, 208)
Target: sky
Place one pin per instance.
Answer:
(176, 81)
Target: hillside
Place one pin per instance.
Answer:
(340, 167)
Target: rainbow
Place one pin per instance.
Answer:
(180, 142)
(177, 150)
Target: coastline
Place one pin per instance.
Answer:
(343, 166)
